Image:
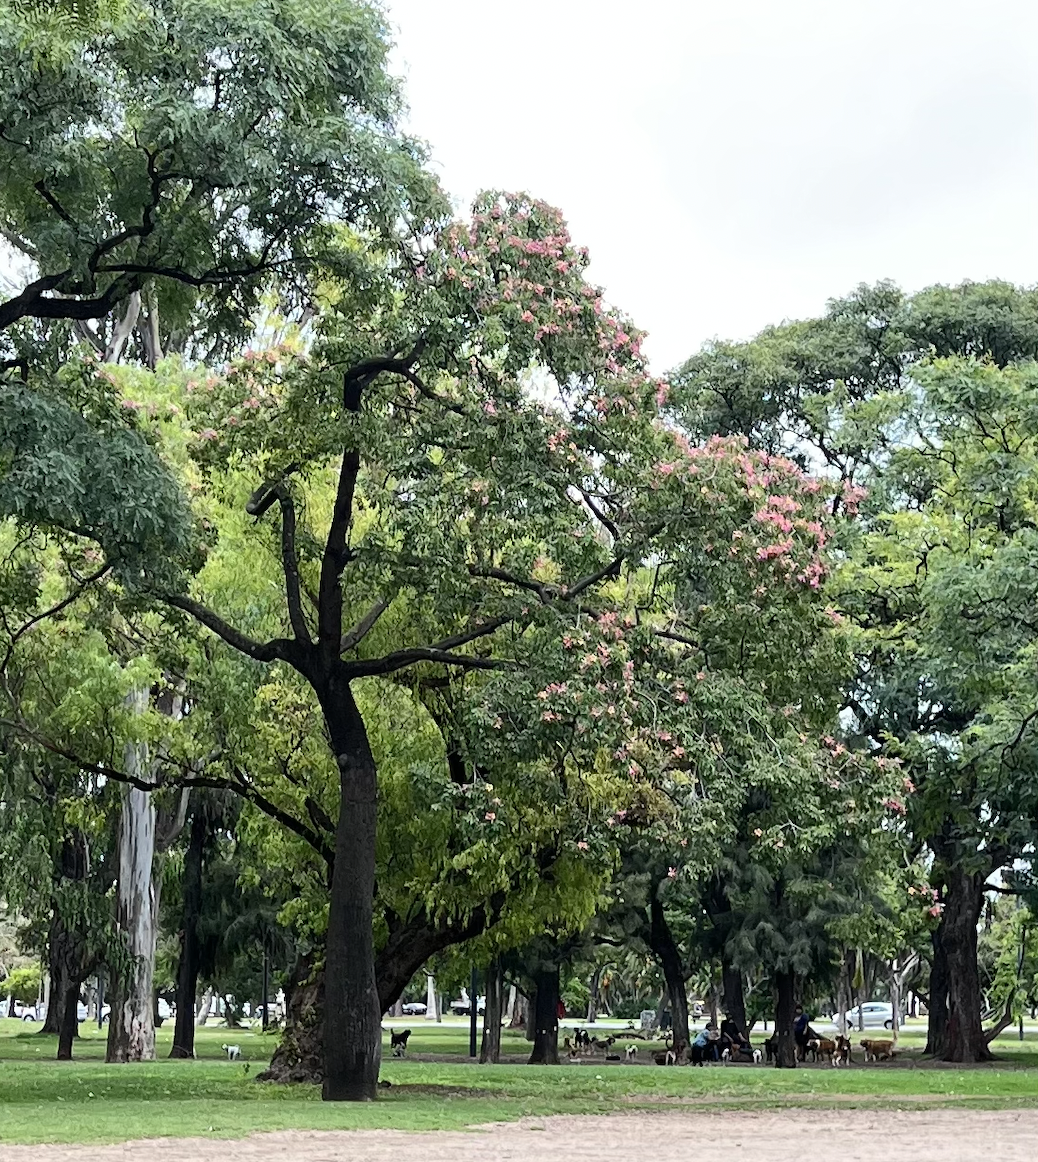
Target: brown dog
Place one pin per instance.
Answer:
(821, 1048)
(878, 1050)
(841, 1054)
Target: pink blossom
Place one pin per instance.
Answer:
(582, 845)
(490, 816)
(207, 434)
(527, 316)
(672, 873)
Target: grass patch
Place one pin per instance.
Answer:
(42, 1100)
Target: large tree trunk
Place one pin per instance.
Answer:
(663, 945)
(734, 999)
(546, 1017)
(785, 1002)
(131, 1025)
(937, 1001)
(187, 970)
(68, 961)
(352, 1017)
(490, 1049)
(964, 1038)
(300, 1053)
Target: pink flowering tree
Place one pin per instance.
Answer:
(481, 420)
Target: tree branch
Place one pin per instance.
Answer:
(54, 609)
(290, 564)
(360, 631)
(402, 658)
(272, 651)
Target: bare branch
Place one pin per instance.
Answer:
(290, 564)
(360, 631)
(53, 611)
(390, 663)
(272, 651)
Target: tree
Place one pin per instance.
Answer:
(232, 134)
(852, 388)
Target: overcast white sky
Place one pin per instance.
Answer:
(731, 163)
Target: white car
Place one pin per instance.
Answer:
(874, 1014)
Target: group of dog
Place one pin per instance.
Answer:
(837, 1050)
(582, 1045)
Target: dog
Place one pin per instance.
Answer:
(877, 1050)
(668, 1057)
(726, 1056)
(842, 1053)
(771, 1048)
(398, 1042)
(631, 1052)
(821, 1048)
(233, 1051)
(757, 1056)
(597, 1043)
(581, 1039)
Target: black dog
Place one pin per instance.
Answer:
(398, 1042)
(771, 1047)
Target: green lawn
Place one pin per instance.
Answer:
(42, 1100)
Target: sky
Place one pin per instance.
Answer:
(734, 163)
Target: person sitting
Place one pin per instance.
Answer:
(706, 1046)
(734, 1039)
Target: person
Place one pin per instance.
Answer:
(560, 1009)
(802, 1031)
(733, 1038)
(706, 1045)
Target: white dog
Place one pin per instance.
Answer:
(756, 1056)
(726, 1056)
(631, 1052)
(233, 1051)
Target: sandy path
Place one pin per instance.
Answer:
(852, 1136)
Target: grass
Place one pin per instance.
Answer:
(42, 1100)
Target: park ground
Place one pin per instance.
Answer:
(462, 1110)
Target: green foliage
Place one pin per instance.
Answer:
(23, 984)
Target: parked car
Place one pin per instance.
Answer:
(28, 1012)
(416, 1008)
(875, 1015)
(463, 1007)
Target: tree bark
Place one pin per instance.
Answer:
(353, 1016)
(546, 1017)
(785, 1002)
(661, 940)
(964, 1038)
(300, 1054)
(187, 970)
(68, 1028)
(519, 1010)
(131, 1025)
(937, 1002)
(734, 999)
(490, 1049)
(68, 960)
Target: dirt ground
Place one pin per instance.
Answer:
(951, 1135)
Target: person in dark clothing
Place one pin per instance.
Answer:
(734, 1039)
(802, 1031)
